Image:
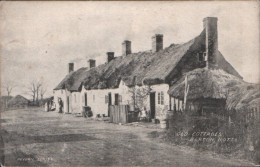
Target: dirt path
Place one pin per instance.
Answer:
(34, 137)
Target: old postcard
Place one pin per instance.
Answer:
(123, 83)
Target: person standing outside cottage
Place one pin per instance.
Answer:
(60, 105)
(143, 114)
(47, 106)
(53, 106)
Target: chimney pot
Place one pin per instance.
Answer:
(126, 47)
(110, 56)
(92, 63)
(71, 67)
(157, 42)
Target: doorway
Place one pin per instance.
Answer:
(109, 99)
(68, 104)
(116, 99)
(86, 99)
(152, 104)
(109, 103)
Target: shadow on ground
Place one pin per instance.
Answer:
(20, 139)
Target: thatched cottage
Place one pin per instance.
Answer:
(149, 74)
(214, 90)
(18, 102)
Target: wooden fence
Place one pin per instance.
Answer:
(119, 114)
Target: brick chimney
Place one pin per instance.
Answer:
(157, 42)
(71, 67)
(126, 47)
(210, 24)
(92, 63)
(110, 56)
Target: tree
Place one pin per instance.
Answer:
(32, 90)
(36, 90)
(42, 91)
(139, 95)
(9, 86)
(38, 86)
(9, 90)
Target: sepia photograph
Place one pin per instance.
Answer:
(130, 83)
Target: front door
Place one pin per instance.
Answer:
(68, 104)
(109, 102)
(116, 99)
(109, 99)
(86, 99)
(152, 104)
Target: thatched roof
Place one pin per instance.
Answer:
(141, 68)
(18, 100)
(217, 84)
(244, 96)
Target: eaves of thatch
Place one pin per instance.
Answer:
(217, 84)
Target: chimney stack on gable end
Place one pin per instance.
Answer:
(110, 56)
(210, 24)
(92, 63)
(71, 67)
(126, 48)
(157, 42)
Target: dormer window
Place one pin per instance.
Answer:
(202, 56)
(205, 58)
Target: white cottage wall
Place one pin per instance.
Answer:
(161, 106)
(160, 90)
(67, 102)
(76, 102)
(96, 99)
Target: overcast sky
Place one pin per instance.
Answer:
(39, 39)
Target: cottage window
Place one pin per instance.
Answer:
(93, 98)
(202, 56)
(205, 58)
(61, 91)
(75, 97)
(161, 98)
